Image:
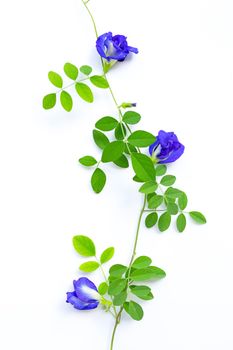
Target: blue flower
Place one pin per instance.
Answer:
(114, 47)
(166, 148)
(85, 295)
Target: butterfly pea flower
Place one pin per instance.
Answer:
(128, 105)
(113, 48)
(85, 295)
(166, 148)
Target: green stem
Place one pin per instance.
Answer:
(117, 322)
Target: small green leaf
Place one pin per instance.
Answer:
(84, 246)
(107, 255)
(164, 222)
(141, 138)
(103, 288)
(106, 123)
(134, 310)
(117, 286)
(66, 101)
(113, 151)
(86, 70)
(148, 187)
(55, 79)
(131, 117)
(181, 222)
(122, 162)
(151, 220)
(183, 201)
(120, 131)
(100, 139)
(172, 193)
(142, 292)
(71, 71)
(136, 179)
(141, 262)
(84, 92)
(155, 201)
(88, 161)
(99, 81)
(98, 180)
(172, 208)
(168, 180)
(89, 266)
(117, 270)
(198, 217)
(49, 101)
(148, 273)
(143, 166)
(160, 170)
(120, 299)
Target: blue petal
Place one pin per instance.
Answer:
(86, 290)
(174, 155)
(153, 146)
(78, 304)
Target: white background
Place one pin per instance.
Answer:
(182, 80)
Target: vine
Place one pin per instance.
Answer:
(161, 200)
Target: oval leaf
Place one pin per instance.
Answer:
(71, 71)
(88, 161)
(66, 101)
(100, 139)
(164, 222)
(141, 262)
(151, 220)
(131, 117)
(107, 255)
(98, 180)
(99, 81)
(84, 245)
(49, 101)
(117, 286)
(55, 79)
(148, 187)
(86, 70)
(143, 166)
(168, 180)
(89, 266)
(117, 270)
(84, 92)
(106, 123)
(147, 274)
(198, 217)
(134, 310)
(103, 288)
(122, 162)
(141, 138)
(181, 222)
(113, 151)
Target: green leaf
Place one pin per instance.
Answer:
(103, 288)
(172, 208)
(71, 71)
(84, 92)
(160, 170)
(120, 299)
(113, 151)
(99, 81)
(183, 201)
(120, 132)
(87, 161)
(198, 217)
(107, 255)
(84, 246)
(66, 101)
(130, 148)
(181, 222)
(98, 180)
(55, 79)
(155, 201)
(147, 274)
(134, 310)
(49, 101)
(141, 262)
(106, 123)
(117, 286)
(151, 220)
(172, 193)
(100, 139)
(141, 139)
(136, 179)
(122, 162)
(143, 166)
(164, 222)
(168, 180)
(148, 187)
(131, 117)
(117, 270)
(142, 292)
(86, 70)
(89, 266)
